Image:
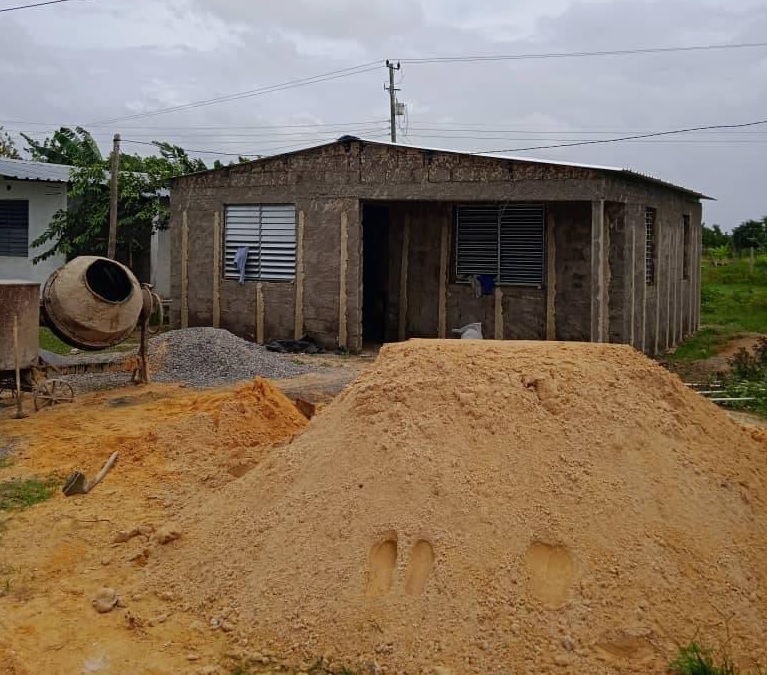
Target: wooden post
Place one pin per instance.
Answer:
(402, 328)
(343, 332)
(444, 246)
(260, 313)
(298, 329)
(551, 280)
(184, 270)
(17, 366)
(114, 178)
(216, 270)
(498, 313)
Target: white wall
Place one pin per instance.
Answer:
(44, 200)
(161, 263)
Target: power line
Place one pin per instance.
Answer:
(635, 137)
(32, 6)
(569, 55)
(201, 152)
(302, 82)
(314, 125)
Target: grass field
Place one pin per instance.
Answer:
(733, 302)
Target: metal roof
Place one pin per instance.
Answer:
(517, 158)
(22, 169)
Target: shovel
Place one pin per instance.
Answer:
(78, 484)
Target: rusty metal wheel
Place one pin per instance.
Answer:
(52, 392)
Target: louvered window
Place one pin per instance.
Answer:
(268, 231)
(506, 241)
(650, 252)
(14, 228)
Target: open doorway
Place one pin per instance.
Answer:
(375, 272)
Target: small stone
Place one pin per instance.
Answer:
(563, 659)
(125, 535)
(167, 535)
(567, 643)
(192, 657)
(227, 627)
(105, 601)
(146, 530)
(166, 596)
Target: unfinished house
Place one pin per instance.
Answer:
(357, 242)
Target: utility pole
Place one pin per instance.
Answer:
(392, 97)
(112, 242)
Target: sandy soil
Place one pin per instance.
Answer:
(176, 447)
(492, 507)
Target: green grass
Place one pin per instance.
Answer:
(21, 493)
(733, 302)
(51, 343)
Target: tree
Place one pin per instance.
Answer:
(752, 233)
(83, 228)
(8, 146)
(713, 237)
(75, 147)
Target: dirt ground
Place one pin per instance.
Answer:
(56, 557)
(176, 447)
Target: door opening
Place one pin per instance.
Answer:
(375, 273)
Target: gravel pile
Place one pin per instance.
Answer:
(211, 357)
(198, 357)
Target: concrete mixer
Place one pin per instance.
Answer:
(90, 303)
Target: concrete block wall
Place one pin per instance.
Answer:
(656, 317)
(328, 184)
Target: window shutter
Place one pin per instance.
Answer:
(269, 232)
(522, 244)
(278, 242)
(477, 240)
(14, 228)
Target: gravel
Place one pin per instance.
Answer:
(197, 357)
(212, 357)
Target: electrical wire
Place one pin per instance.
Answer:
(32, 6)
(569, 55)
(302, 82)
(634, 137)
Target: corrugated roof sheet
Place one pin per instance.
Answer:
(22, 169)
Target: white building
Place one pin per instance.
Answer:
(30, 193)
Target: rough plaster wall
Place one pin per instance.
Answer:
(619, 285)
(671, 302)
(524, 313)
(572, 233)
(326, 181)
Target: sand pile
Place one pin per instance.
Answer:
(492, 507)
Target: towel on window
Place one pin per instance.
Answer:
(241, 262)
(487, 284)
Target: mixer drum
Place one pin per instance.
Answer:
(92, 302)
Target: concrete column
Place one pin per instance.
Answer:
(444, 246)
(551, 279)
(184, 270)
(498, 313)
(599, 283)
(631, 233)
(260, 313)
(298, 326)
(402, 327)
(343, 332)
(216, 270)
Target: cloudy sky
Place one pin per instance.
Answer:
(89, 62)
